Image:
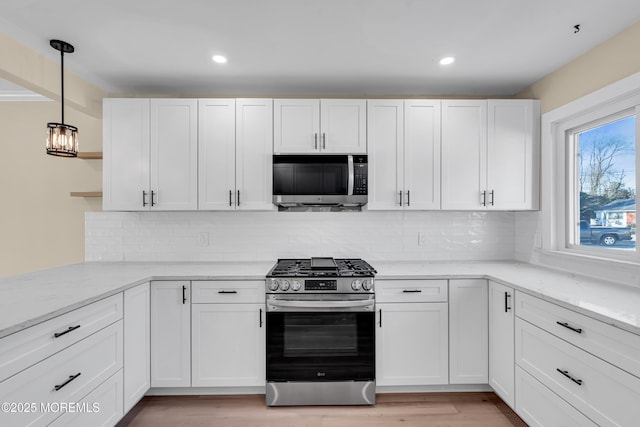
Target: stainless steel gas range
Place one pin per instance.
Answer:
(320, 332)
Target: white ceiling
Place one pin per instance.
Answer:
(308, 47)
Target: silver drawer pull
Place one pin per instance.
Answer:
(566, 325)
(566, 374)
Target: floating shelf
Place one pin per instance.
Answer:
(90, 155)
(86, 194)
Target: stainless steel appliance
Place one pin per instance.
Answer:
(320, 326)
(320, 180)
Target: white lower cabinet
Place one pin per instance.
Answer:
(228, 345)
(540, 407)
(411, 337)
(501, 342)
(170, 334)
(101, 408)
(601, 391)
(228, 333)
(64, 378)
(468, 331)
(137, 344)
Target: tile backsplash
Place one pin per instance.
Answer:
(266, 236)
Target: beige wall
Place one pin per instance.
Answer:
(41, 226)
(607, 63)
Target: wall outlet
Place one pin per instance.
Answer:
(537, 240)
(203, 239)
(422, 238)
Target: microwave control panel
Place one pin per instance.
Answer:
(360, 171)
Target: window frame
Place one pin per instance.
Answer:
(572, 217)
(599, 107)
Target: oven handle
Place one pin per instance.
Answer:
(322, 305)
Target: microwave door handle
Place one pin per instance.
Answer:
(351, 175)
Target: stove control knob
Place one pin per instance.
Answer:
(272, 284)
(356, 285)
(284, 285)
(367, 285)
(295, 285)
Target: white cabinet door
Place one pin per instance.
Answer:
(315, 126)
(216, 154)
(296, 126)
(125, 139)
(228, 345)
(512, 154)
(137, 343)
(174, 154)
(254, 154)
(468, 331)
(385, 134)
(422, 154)
(170, 334)
(501, 342)
(343, 126)
(411, 344)
(464, 150)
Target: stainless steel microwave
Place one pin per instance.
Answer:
(320, 180)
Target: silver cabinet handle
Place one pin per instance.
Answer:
(230, 198)
(408, 198)
(491, 194)
(324, 140)
(153, 202)
(400, 194)
(484, 198)
(238, 199)
(315, 138)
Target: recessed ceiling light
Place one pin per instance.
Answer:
(447, 60)
(219, 59)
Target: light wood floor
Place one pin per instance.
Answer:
(391, 410)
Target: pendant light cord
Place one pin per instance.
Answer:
(62, 80)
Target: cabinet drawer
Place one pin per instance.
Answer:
(619, 347)
(540, 407)
(95, 359)
(411, 290)
(227, 291)
(100, 408)
(605, 394)
(27, 347)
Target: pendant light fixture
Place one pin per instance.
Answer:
(62, 139)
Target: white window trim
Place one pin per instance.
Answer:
(622, 95)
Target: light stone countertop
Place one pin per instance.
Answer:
(32, 298)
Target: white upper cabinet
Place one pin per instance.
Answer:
(513, 154)
(125, 128)
(150, 154)
(235, 149)
(404, 154)
(320, 126)
(174, 154)
(464, 150)
(254, 151)
(490, 152)
(216, 154)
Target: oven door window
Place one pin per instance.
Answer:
(320, 346)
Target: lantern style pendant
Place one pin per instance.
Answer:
(62, 139)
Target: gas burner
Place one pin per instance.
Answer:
(322, 267)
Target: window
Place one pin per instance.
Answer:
(601, 176)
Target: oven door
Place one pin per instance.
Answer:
(320, 340)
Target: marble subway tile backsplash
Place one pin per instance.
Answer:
(266, 236)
